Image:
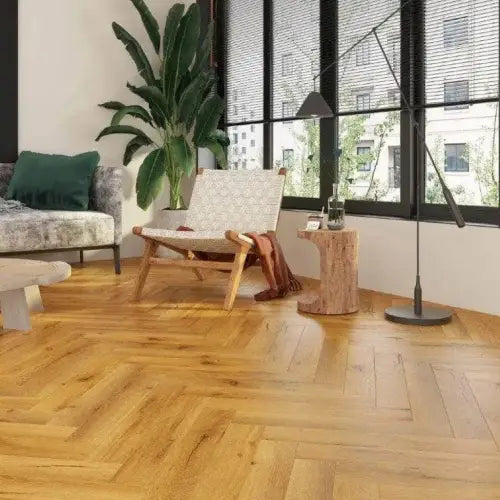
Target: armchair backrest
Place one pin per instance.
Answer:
(240, 200)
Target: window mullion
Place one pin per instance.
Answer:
(268, 84)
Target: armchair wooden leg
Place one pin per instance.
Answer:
(234, 280)
(199, 274)
(149, 251)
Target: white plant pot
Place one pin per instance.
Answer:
(170, 219)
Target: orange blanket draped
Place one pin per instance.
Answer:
(268, 251)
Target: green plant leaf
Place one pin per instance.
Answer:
(191, 99)
(138, 55)
(221, 137)
(156, 100)
(135, 111)
(182, 55)
(208, 119)
(150, 178)
(204, 51)
(182, 155)
(113, 105)
(122, 129)
(172, 25)
(133, 146)
(218, 150)
(150, 23)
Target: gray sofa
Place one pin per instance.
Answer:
(37, 231)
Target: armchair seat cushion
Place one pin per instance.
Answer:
(51, 230)
(200, 241)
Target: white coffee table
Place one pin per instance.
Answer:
(19, 292)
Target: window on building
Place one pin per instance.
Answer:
(457, 159)
(252, 143)
(456, 92)
(286, 65)
(394, 52)
(395, 168)
(235, 138)
(244, 136)
(363, 53)
(393, 97)
(456, 32)
(244, 150)
(364, 158)
(363, 102)
(252, 128)
(288, 158)
(288, 110)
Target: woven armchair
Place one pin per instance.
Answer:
(224, 206)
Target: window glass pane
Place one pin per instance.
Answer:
(461, 44)
(466, 152)
(370, 160)
(296, 147)
(245, 60)
(295, 53)
(363, 71)
(248, 152)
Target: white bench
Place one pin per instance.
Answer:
(19, 292)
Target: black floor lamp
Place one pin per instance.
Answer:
(315, 106)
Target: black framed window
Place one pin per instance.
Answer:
(445, 54)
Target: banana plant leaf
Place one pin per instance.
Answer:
(221, 137)
(181, 155)
(133, 146)
(122, 129)
(218, 150)
(208, 118)
(135, 111)
(113, 105)
(156, 100)
(203, 54)
(150, 178)
(138, 55)
(183, 52)
(191, 99)
(150, 23)
(172, 25)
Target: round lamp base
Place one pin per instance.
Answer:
(406, 315)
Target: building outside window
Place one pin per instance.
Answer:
(456, 158)
(286, 65)
(456, 32)
(252, 129)
(243, 150)
(315, 62)
(243, 136)
(456, 92)
(364, 154)
(252, 143)
(235, 138)
(288, 158)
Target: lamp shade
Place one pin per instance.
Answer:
(315, 106)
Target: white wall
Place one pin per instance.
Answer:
(70, 61)
(459, 267)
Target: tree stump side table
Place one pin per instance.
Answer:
(338, 292)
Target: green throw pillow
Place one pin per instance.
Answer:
(53, 182)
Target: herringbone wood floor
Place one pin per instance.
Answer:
(173, 398)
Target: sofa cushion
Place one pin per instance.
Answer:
(53, 182)
(50, 230)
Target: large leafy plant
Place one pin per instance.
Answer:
(183, 109)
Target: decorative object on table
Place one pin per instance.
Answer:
(225, 205)
(315, 106)
(338, 290)
(19, 292)
(183, 109)
(315, 221)
(336, 210)
(27, 231)
(53, 182)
